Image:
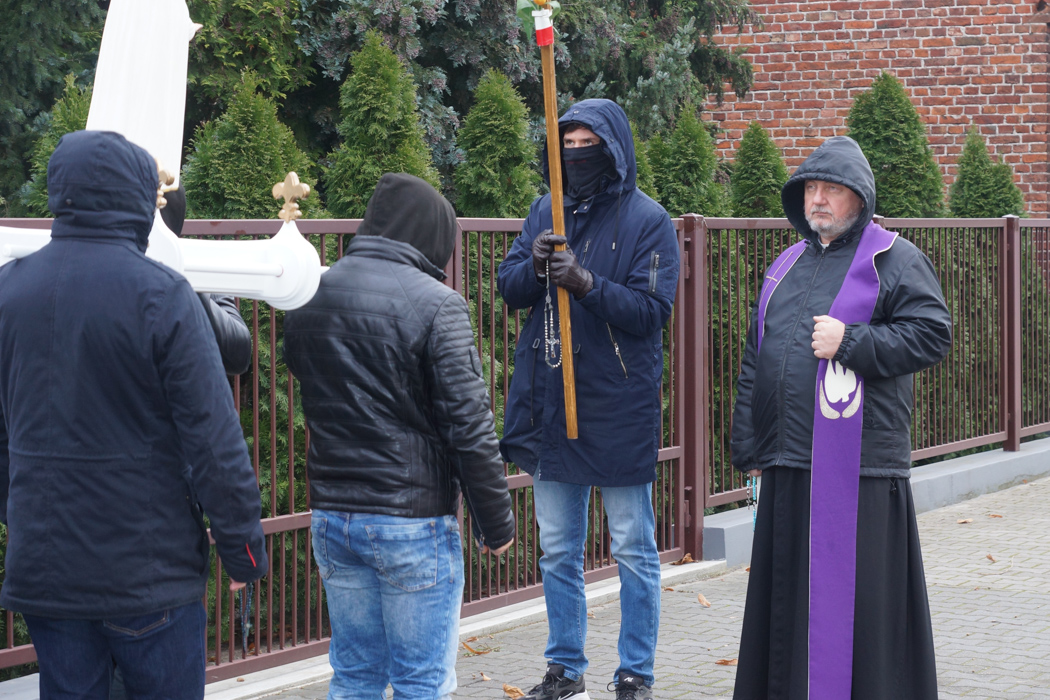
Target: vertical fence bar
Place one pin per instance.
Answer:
(1012, 332)
(694, 432)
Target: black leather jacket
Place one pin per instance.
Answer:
(231, 332)
(393, 392)
(910, 330)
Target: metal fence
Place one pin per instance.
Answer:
(993, 388)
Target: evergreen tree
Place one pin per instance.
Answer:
(688, 184)
(758, 175)
(646, 179)
(40, 43)
(237, 35)
(658, 152)
(237, 159)
(69, 114)
(982, 187)
(380, 131)
(498, 177)
(893, 138)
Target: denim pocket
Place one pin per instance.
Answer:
(138, 625)
(406, 555)
(318, 533)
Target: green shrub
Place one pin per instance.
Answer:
(498, 178)
(890, 132)
(646, 179)
(380, 130)
(69, 114)
(983, 187)
(237, 159)
(758, 175)
(687, 169)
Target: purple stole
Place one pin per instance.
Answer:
(835, 483)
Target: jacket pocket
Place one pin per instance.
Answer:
(654, 270)
(406, 555)
(616, 351)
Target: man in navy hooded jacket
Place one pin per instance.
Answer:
(118, 428)
(622, 271)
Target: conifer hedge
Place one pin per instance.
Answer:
(236, 160)
(380, 131)
(498, 177)
(686, 163)
(758, 175)
(893, 138)
(983, 187)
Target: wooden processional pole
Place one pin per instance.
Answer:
(545, 40)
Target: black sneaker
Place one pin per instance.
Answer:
(630, 687)
(555, 686)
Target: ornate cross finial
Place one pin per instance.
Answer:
(290, 190)
(165, 182)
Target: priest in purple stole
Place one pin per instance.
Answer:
(836, 603)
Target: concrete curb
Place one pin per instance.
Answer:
(727, 536)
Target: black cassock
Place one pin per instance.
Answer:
(893, 656)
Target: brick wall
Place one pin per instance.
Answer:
(961, 61)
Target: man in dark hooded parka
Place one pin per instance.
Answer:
(621, 269)
(400, 423)
(118, 428)
(778, 432)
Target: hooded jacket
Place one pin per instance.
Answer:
(391, 382)
(118, 420)
(910, 330)
(629, 245)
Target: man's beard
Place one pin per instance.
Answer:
(835, 227)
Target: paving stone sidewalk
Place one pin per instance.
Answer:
(987, 569)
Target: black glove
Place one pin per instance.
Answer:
(567, 273)
(542, 247)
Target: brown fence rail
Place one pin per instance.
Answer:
(993, 388)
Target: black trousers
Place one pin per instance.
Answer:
(893, 655)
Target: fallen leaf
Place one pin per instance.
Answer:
(668, 589)
(747, 569)
(687, 559)
(472, 639)
(476, 652)
(590, 614)
(702, 600)
(726, 662)
(484, 677)
(994, 515)
(964, 521)
(240, 680)
(990, 557)
(511, 692)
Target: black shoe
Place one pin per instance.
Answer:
(630, 687)
(555, 686)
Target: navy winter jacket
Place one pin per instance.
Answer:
(118, 423)
(628, 243)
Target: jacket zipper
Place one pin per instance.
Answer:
(783, 362)
(654, 267)
(616, 347)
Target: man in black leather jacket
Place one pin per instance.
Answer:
(830, 200)
(399, 422)
(231, 332)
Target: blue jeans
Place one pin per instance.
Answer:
(561, 510)
(394, 588)
(161, 655)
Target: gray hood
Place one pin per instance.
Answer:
(838, 160)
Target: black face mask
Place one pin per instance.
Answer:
(585, 170)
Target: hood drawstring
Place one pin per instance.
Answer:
(616, 226)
